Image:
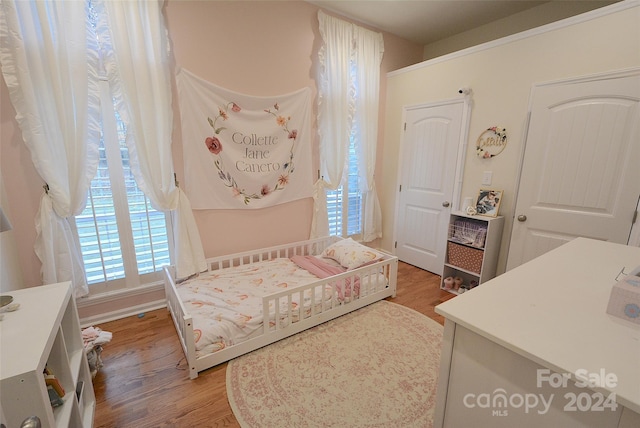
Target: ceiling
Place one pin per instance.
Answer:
(427, 21)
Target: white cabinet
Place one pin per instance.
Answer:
(545, 319)
(44, 333)
(473, 246)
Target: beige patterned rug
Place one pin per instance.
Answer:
(376, 367)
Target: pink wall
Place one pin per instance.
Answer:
(22, 186)
(258, 48)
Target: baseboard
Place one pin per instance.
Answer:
(121, 304)
(138, 310)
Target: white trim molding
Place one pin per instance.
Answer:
(567, 22)
(121, 303)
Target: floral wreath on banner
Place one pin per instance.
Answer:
(496, 137)
(215, 147)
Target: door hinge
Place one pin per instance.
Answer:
(395, 245)
(405, 126)
(401, 187)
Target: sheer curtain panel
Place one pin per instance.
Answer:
(335, 113)
(50, 68)
(348, 93)
(369, 50)
(140, 71)
(50, 53)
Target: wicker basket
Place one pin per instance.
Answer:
(464, 257)
(468, 232)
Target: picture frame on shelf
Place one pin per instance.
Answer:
(488, 202)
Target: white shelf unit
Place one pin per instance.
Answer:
(44, 332)
(473, 246)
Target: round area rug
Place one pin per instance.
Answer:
(375, 367)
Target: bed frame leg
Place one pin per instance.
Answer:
(394, 274)
(193, 373)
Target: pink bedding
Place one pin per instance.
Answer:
(322, 270)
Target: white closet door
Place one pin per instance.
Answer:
(428, 162)
(581, 169)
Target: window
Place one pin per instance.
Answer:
(124, 241)
(344, 205)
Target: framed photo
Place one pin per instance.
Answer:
(488, 202)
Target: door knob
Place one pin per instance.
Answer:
(446, 204)
(522, 217)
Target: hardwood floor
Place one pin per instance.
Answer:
(144, 381)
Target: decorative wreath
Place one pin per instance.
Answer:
(496, 133)
(215, 147)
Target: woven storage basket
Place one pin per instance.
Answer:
(464, 257)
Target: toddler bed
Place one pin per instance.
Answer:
(220, 314)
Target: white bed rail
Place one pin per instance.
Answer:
(376, 282)
(325, 297)
(302, 248)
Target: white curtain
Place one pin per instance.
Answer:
(369, 50)
(140, 71)
(348, 93)
(335, 112)
(51, 74)
(50, 65)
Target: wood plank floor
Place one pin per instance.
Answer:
(144, 381)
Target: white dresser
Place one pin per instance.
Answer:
(535, 346)
(44, 332)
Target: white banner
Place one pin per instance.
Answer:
(242, 151)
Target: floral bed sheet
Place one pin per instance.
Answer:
(226, 304)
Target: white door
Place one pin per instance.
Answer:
(581, 169)
(427, 172)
